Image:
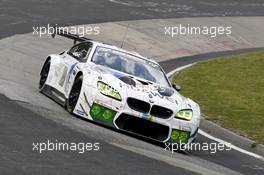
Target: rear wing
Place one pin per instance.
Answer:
(69, 35)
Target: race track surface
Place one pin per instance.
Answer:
(19, 16)
(20, 127)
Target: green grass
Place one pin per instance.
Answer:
(230, 92)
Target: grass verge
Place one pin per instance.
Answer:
(230, 92)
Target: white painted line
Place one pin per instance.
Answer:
(210, 136)
(131, 4)
(179, 69)
(229, 145)
(174, 161)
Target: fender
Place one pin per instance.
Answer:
(56, 71)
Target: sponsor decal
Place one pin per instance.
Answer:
(81, 113)
(72, 71)
(147, 116)
(184, 128)
(104, 104)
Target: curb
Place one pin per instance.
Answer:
(232, 137)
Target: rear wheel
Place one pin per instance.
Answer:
(44, 75)
(74, 94)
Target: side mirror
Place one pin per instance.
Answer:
(176, 87)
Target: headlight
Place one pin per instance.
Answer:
(108, 91)
(185, 114)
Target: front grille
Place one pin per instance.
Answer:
(138, 105)
(142, 127)
(161, 112)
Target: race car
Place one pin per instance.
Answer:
(121, 89)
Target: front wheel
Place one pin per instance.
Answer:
(74, 94)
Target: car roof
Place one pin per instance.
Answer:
(96, 43)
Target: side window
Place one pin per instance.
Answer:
(80, 51)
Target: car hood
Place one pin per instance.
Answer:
(133, 87)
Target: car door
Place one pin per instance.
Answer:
(76, 55)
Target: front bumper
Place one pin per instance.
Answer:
(118, 114)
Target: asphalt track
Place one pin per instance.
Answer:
(19, 16)
(20, 127)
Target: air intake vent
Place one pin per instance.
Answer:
(142, 127)
(161, 112)
(138, 105)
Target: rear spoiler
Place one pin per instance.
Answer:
(69, 35)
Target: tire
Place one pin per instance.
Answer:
(44, 75)
(74, 94)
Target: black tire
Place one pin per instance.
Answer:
(44, 75)
(74, 94)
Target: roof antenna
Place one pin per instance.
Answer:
(124, 36)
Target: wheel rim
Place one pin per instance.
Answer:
(74, 94)
(44, 74)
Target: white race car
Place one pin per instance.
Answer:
(121, 89)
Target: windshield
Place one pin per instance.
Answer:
(130, 64)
